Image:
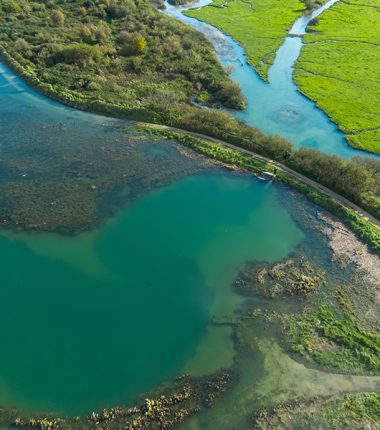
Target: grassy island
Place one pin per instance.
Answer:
(338, 66)
(339, 69)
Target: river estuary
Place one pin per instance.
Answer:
(118, 256)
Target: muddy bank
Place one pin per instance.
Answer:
(348, 248)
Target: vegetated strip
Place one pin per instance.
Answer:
(365, 225)
(354, 411)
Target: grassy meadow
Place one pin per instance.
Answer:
(260, 26)
(339, 69)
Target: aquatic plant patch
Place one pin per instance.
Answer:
(69, 187)
(338, 69)
(289, 277)
(167, 407)
(333, 340)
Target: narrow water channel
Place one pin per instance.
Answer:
(275, 107)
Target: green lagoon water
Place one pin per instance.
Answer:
(99, 318)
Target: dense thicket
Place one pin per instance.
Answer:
(358, 179)
(123, 51)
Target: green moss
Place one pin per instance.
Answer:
(338, 68)
(260, 26)
(334, 340)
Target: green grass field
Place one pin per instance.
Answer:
(260, 26)
(339, 69)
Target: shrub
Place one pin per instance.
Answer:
(230, 95)
(139, 44)
(135, 45)
(116, 11)
(78, 54)
(85, 34)
(12, 7)
(57, 18)
(102, 33)
(124, 36)
(22, 45)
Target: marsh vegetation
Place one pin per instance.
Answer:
(260, 26)
(338, 68)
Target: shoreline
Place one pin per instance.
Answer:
(364, 224)
(350, 216)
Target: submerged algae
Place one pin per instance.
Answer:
(58, 185)
(294, 276)
(269, 372)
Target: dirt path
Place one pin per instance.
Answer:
(335, 196)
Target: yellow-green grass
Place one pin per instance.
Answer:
(260, 26)
(339, 69)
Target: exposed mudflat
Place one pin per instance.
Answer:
(347, 247)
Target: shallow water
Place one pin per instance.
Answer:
(99, 318)
(67, 171)
(269, 377)
(275, 107)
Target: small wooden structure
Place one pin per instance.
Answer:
(266, 176)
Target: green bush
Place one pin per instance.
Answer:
(12, 7)
(78, 54)
(57, 18)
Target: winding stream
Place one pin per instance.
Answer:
(275, 107)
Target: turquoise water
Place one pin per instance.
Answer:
(99, 318)
(275, 107)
